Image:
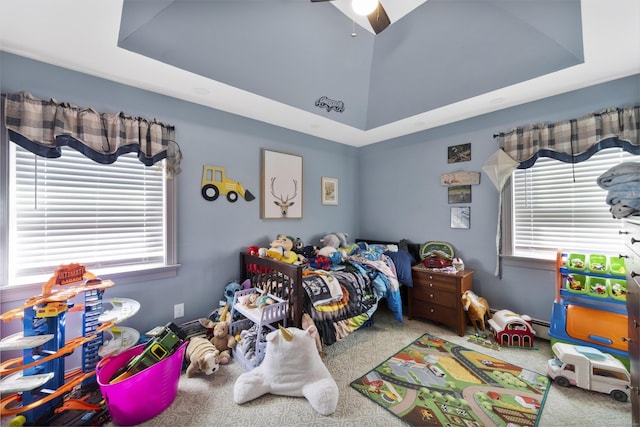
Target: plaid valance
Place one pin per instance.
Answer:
(575, 140)
(43, 126)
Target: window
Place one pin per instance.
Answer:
(116, 219)
(555, 205)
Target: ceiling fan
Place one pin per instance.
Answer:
(378, 19)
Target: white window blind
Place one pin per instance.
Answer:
(71, 209)
(550, 211)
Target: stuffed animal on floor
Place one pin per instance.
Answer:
(477, 308)
(291, 367)
(202, 356)
(220, 338)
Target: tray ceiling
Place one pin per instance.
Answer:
(438, 62)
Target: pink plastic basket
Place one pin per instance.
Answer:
(141, 396)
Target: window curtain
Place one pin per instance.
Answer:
(570, 141)
(575, 140)
(43, 126)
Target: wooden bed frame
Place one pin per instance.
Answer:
(285, 280)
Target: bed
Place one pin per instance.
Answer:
(364, 282)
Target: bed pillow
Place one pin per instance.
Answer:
(403, 261)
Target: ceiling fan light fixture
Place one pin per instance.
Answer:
(364, 7)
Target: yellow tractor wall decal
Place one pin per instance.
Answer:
(215, 183)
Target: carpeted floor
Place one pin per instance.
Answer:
(208, 400)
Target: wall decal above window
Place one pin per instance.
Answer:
(330, 104)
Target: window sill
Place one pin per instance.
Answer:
(525, 262)
(119, 276)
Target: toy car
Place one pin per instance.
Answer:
(589, 368)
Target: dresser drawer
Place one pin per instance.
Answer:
(434, 295)
(431, 280)
(437, 313)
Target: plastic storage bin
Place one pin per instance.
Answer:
(576, 283)
(618, 289)
(144, 395)
(598, 263)
(598, 287)
(617, 266)
(577, 262)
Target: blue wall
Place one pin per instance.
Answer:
(401, 195)
(389, 190)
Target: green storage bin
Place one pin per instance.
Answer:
(576, 262)
(576, 283)
(618, 289)
(617, 266)
(598, 287)
(598, 263)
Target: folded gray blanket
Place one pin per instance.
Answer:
(626, 198)
(622, 174)
(622, 211)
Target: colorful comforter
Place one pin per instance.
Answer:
(367, 277)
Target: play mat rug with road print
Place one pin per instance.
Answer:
(433, 382)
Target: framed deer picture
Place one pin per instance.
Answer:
(281, 185)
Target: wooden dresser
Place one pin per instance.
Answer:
(632, 242)
(436, 296)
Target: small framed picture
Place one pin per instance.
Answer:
(461, 217)
(459, 153)
(329, 191)
(459, 194)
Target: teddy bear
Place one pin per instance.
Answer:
(335, 240)
(202, 356)
(220, 338)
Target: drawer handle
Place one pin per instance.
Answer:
(431, 310)
(430, 295)
(625, 339)
(623, 256)
(633, 240)
(431, 285)
(634, 274)
(622, 232)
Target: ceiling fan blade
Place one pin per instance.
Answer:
(378, 19)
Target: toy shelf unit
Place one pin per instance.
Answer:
(35, 384)
(262, 318)
(590, 306)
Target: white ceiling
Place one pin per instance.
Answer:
(49, 31)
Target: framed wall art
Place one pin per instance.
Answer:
(461, 217)
(281, 185)
(459, 194)
(329, 188)
(459, 153)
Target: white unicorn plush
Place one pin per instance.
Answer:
(291, 367)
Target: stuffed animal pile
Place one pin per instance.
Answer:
(220, 338)
(291, 367)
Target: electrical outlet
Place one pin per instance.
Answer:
(178, 310)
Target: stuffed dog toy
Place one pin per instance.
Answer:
(202, 356)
